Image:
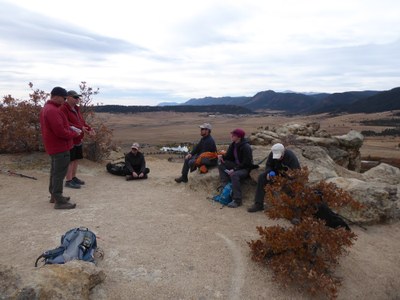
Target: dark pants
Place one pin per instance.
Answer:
(260, 191)
(234, 178)
(137, 170)
(58, 170)
(189, 164)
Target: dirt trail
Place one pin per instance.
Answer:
(165, 241)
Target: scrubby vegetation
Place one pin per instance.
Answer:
(386, 132)
(305, 253)
(20, 125)
(213, 109)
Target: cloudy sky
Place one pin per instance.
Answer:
(151, 51)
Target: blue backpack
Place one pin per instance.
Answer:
(225, 196)
(78, 243)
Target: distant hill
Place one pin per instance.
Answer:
(288, 102)
(311, 103)
(168, 104)
(218, 101)
(338, 102)
(383, 101)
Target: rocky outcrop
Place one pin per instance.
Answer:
(344, 149)
(73, 280)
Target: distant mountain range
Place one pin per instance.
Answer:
(286, 102)
(310, 103)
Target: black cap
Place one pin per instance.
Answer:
(59, 91)
(74, 94)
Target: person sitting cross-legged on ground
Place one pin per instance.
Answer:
(235, 165)
(135, 164)
(206, 144)
(278, 162)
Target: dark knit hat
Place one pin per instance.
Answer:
(239, 133)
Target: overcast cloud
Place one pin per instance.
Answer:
(147, 52)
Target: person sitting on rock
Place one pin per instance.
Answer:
(235, 165)
(206, 144)
(135, 164)
(279, 161)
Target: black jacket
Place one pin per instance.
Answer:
(289, 162)
(245, 155)
(206, 144)
(135, 163)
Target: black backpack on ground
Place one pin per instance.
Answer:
(117, 168)
(331, 218)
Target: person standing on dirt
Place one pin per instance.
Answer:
(75, 119)
(57, 139)
(279, 161)
(135, 164)
(206, 144)
(235, 165)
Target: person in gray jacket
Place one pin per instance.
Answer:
(278, 162)
(206, 144)
(235, 165)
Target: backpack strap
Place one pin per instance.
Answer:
(50, 254)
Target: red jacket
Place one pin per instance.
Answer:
(75, 118)
(56, 134)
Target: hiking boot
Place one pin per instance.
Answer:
(64, 199)
(64, 205)
(78, 181)
(72, 184)
(181, 179)
(234, 204)
(256, 207)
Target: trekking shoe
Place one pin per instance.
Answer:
(233, 204)
(78, 181)
(255, 208)
(64, 199)
(64, 205)
(72, 184)
(181, 179)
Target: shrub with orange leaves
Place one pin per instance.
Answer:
(306, 253)
(20, 125)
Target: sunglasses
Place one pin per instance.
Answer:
(76, 97)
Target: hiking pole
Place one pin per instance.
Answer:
(352, 222)
(261, 161)
(11, 173)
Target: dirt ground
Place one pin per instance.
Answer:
(163, 240)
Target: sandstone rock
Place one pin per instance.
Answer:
(73, 280)
(344, 150)
(353, 139)
(381, 201)
(383, 173)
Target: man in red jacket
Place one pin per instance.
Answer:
(75, 119)
(57, 139)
